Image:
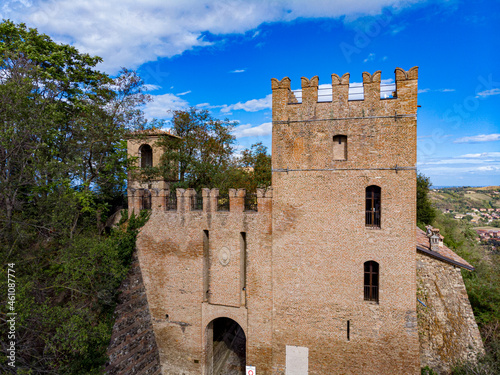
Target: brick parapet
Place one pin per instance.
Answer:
(381, 133)
(237, 200)
(404, 102)
(210, 200)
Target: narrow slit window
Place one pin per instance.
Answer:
(371, 281)
(206, 260)
(243, 267)
(340, 147)
(348, 330)
(373, 207)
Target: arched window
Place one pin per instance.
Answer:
(372, 216)
(371, 281)
(340, 147)
(146, 153)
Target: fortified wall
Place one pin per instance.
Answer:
(314, 276)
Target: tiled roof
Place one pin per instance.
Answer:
(445, 254)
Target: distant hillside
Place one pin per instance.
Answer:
(464, 199)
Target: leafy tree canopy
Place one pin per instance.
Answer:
(202, 155)
(62, 168)
(425, 212)
(62, 125)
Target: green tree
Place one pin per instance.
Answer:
(425, 212)
(62, 164)
(256, 162)
(62, 125)
(202, 153)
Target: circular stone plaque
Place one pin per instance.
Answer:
(224, 256)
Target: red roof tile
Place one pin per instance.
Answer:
(444, 252)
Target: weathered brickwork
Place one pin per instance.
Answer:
(447, 328)
(320, 240)
(133, 348)
(171, 250)
(292, 274)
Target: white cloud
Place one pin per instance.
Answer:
(149, 87)
(247, 130)
(454, 171)
(370, 57)
(396, 29)
(421, 91)
(482, 155)
(478, 164)
(253, 105)
(130, 33)
(479, 138)
(489, 168)
(184, 93)
(162, 104)
(237, 71)
(486, 93)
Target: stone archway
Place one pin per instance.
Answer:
(226, 348)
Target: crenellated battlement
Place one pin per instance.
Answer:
(346, 125)
(207, 201)
(345, 99)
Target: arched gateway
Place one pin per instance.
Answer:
(226, 348)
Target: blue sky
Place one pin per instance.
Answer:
(221, 55)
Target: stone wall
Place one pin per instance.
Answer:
(447, 329)
(133, 348)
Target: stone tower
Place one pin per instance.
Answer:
(343, 224)
(143, 149)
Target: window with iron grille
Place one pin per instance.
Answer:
(372, 213)
(251, 202)
(196, 202)
(223, 202)
(146, 200)
(371, 281)
(171, 201)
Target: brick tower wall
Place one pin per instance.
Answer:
(320, 241)
(179, 264)
(158, 189)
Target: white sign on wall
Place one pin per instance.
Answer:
(250, 370)
(297, 360)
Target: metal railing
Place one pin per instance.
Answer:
(197, 202)
(356, 92)
(251, 202)
(372, 218)
(371, 293)
(171, 202)
(223, 202)
(388, 91)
